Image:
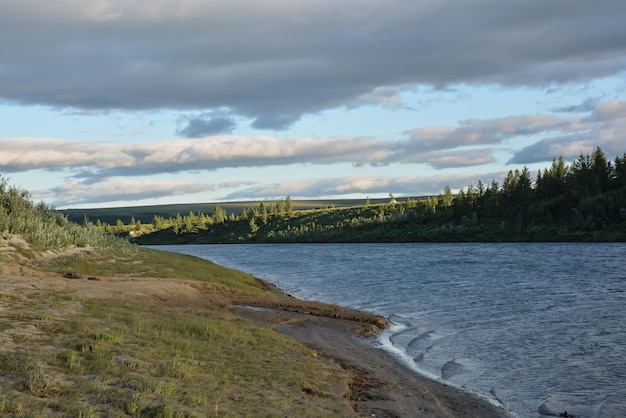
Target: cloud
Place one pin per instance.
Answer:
(75, 193)
(464, 158)
(199, 127)
(586, 106)
(275, 122)
(437, 146)
(333, 187)
(129, 190)
(274, 61)
(605, 127)
(607, 111)
(483, 131)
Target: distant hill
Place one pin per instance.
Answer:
(146, 214)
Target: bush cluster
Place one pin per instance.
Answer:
(44, 228)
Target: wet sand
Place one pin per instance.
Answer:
(381, 386)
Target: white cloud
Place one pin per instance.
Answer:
(129, 190)
(335, 187)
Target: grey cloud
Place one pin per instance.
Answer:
(199, 127)
(605, 126)
(586, 106)
(566, 146)
(275, 122)
(275, 61)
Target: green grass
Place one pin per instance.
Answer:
(145, 262)
(66, 355)
(121, 358)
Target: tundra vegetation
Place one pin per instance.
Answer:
(64, 353)
(584, 200)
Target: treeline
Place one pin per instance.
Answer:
(589, 194)
(584, 200)
(196, 221)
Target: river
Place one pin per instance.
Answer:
(538, 328)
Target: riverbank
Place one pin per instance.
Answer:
(381, 386)
(48, 328)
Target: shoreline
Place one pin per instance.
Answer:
(377, 385)
(383, 386)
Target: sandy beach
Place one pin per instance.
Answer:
(382, 387)
(379, 387)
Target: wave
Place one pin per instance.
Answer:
(451, 368)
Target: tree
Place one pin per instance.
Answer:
(581, 181)
(253, 225)
(188, 225)
(289, 206)
(524, 187)
(480, 189)
(158, 222)
(263, 213)
(601, 169)
(551, 183)
(447, 197)
(279, 208)
(219, 215)
(618, 179)
(431, 204)
(471, 194)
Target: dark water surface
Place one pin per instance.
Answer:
(537, 327)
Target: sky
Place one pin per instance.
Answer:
(109, 103)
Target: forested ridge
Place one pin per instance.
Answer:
(583, 200)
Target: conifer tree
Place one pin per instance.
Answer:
(447, 197)
(263, 213)
(289, 206)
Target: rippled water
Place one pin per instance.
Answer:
(537, 327)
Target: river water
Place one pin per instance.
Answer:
(539, 328)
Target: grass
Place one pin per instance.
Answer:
(125, 358)
(67, 355)
(146, 262)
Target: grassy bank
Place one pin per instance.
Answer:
(91, 325)
(67, 354)
(112, 358)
